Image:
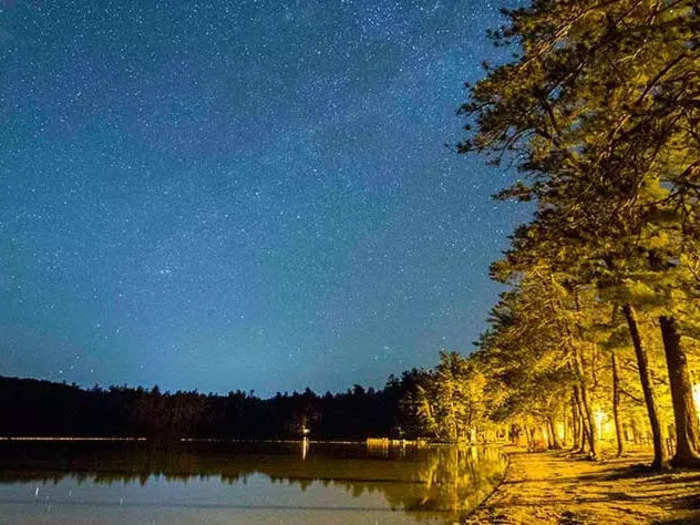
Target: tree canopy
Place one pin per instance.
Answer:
(599, 113)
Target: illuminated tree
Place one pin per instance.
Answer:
(600, 110)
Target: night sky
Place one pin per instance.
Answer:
(250, 194)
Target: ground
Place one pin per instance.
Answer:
(562, 488)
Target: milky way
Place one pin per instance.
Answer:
(249, 195)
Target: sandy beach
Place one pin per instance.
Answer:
(558, 487)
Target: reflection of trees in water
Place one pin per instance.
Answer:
(435, 479)
(452, 479)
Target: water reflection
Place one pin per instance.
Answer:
(304, 447)
(435, 483)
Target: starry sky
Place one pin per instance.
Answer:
(250, 194)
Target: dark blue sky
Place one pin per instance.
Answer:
(245, 194)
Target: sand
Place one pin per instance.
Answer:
(562, 488)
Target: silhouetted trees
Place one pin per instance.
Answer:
(43, 408)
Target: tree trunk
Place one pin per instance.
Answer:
(530, 438)
(660, 455)
(576, 430)
(685, 416)
(636, 434)
(616, 403)
(583, 436)
(555, 443)
(565, 436)
(580, 374)
(547, 432)
(585, 430)
(585, 406)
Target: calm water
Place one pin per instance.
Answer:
(224, 483)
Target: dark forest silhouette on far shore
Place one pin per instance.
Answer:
(43, 408)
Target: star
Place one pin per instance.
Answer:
(264, 184)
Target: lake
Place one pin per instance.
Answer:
(129, 482)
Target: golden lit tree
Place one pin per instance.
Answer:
(600, 109)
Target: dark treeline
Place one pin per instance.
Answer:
(42, 408)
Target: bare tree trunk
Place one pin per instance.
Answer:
(585, 429)
(685, 416)
(585, 406)
(660, 455)
(583, 437)
(616, 403)
(581, 375)
(530, 438)
(555, 444)
(576, 430)
(636, 434)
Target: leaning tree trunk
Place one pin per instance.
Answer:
(685, 416)
(577, 434)
(576, 427)
(660, 454)
(576, 410)
(616, 403)
(579, 438)
(584, 437)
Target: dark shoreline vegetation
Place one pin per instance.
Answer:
(33, 407)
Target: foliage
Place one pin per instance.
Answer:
(599, 113)
(43, 408)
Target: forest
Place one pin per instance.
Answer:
(595, 339)
(32, 407)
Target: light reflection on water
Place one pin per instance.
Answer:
(185, 483)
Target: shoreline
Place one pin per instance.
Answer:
(558, 487)
(506, 450)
